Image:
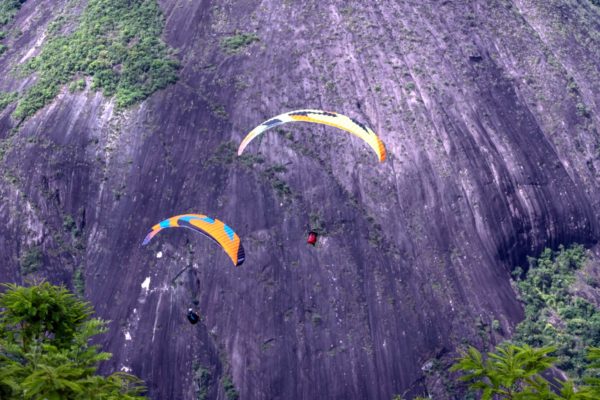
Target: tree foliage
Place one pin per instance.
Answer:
(562, 327)
(515, 372)
(45, 352)
(554, 314)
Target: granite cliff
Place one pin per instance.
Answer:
(490, 112)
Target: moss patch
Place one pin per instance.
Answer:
(31, 260)
(230, 392)
(236, 43)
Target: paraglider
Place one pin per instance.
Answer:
(312, 238)
(321, 117)
(214, 229)
(192, 316)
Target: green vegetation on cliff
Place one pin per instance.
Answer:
(230, 392)
(555, 314)
(203, 380)
(116, 43)
(8, 9)
(6, 99)
(561, 330)
(236, 43)
(31, 260)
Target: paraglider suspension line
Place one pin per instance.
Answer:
(180, 272)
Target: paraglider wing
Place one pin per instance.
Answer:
(214, 229)
(320, 117)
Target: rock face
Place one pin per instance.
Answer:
(490, 113)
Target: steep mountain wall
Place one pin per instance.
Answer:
(490, 114)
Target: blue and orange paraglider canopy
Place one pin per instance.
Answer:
(214, 229)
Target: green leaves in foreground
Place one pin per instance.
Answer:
(515, 372)
(41, 314)
(45, 352)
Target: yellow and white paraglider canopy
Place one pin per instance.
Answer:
(320, 117)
